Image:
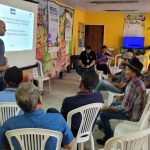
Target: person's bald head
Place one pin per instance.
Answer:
(2, 28)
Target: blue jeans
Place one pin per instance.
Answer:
(106, 86)
(105, 116)
(2, 84)
(81, 70)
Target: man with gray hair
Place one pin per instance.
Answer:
(3, 59)
(29, 99)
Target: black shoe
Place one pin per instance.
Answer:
(61, 75)
(101, 141)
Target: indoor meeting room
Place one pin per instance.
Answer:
(74, 74)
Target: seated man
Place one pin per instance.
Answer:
(117, 82)
(102, 58)
(12, 77)
(131, 105)
(89, 81)
(29, 99)
(86, 60)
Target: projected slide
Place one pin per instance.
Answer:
(20, 28)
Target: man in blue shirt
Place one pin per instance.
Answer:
(29, 99)
(12, 77)
(102, 59)
(3, 60)
(89, 81)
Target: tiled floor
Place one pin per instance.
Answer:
(62, 88)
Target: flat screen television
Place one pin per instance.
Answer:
(134, 42)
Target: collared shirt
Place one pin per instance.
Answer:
(2, 59)
(81, 99)
(8, 95)
(134, 99)
(37, 119)
(87, 58)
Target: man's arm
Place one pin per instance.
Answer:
(68, 146)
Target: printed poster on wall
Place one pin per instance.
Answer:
(53, 27)
(68, 25)
(134, 25)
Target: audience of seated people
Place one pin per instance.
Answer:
(102, 58)
(29, 99)
(12, 77)
(127, 107)
(87, 60)
(88, 83)
(117, 82)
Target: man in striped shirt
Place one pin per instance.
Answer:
(131, 105)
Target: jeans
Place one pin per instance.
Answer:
(105, 116)
(2, 84)
(106, 86)
(81, 70)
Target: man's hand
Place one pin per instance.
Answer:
(3, 68)
(119, 99)
(121, 85)
(82, 65)
(105, 108)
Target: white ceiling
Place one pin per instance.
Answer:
(127, 6)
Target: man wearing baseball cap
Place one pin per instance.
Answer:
(131, 105)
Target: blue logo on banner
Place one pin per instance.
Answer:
(12, 11)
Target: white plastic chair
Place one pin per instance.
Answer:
(89, 113)
(129, 126)
(33, 138)
(117, 63)
(8, 110)
(144, 60)
(133, 141)
(41, 77)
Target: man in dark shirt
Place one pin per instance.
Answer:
(89, 81)
(86, 60)
(3, 61)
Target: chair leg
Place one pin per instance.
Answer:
(50, 85)
(40, 84)
(81, 146)
(92, 142)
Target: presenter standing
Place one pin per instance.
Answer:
(3, 59)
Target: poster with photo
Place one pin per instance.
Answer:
(134, 25)
(53, 26)
(68, 25)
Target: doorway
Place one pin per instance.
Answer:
(94, 36)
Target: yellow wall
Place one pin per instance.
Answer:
(147, 30)
(113, 27)
(79, 17)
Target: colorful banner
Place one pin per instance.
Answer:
(41, 42)
(53, 27)
(134, 25)
(62, 17)
(68, 25)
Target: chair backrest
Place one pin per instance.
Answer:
(8, 110)
(117, 63)
(33, 138)
(144, 120)
(133, 141)
(40, 68)
(88, 113)
(143, 59)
